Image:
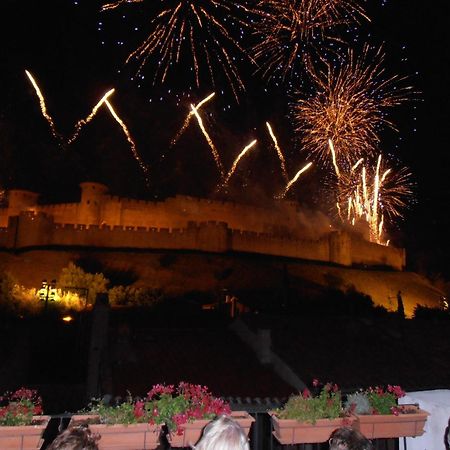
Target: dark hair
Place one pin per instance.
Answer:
(346, 438)
(75, 438)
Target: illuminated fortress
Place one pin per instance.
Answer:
(100, 220)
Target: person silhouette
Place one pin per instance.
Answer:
(400, 307)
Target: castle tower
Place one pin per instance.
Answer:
(21, 200)
(340, 248)
(92, 197)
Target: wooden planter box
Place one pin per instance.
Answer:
(390, 426)
(193, 431)
(24, 437)
(135, 436)
(290, 431)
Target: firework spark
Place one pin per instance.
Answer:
(279, 152)
(83, 122)
(42, 105)
(214, 151)
(189, 117)
(114, 5)
(296, 177)
(235, 163)
(333, 157)
(289, 31)
(194, 33)
(349, 108)
(374, 195)
(142, 165)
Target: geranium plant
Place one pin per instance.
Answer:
(306, 407)
(126, 412)
(19, 407)
(164, 404)
(376, 400)
(176, 405)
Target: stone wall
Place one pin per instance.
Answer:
(185, 223)
(36, 230)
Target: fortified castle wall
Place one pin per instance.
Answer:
(180, 223)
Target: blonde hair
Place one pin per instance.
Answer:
(224, 433)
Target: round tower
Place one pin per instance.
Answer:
(92, 197)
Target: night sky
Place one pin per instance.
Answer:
(76, 53)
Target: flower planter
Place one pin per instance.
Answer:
(135, 436)
(390, 426)
(193, 431)
(24, 437)
(291, 431)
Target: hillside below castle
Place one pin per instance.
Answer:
(100, 220)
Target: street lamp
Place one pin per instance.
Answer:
(47, 292)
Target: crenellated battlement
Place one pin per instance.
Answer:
(186, 223)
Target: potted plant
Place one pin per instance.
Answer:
(185, 409)
(22, 422)
(125, 425)
(307, 418)
(380, 416)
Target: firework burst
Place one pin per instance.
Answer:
(289, 32)
(349, 108)
(374, 193)
(195, 33)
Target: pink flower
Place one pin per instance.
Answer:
(306, 393)
(139, 410)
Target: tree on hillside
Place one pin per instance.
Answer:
(75, 279)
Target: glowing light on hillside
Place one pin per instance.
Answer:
(189, 117)
(83, 122)
(296, 177)
(42, 105)
(279, 152)
(142, 165)
(214, 151)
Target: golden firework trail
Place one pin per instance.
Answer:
(214, 151)
(114, 5)
(83, 122)
(142, 165)
(349, 107)
(289, 32)
(355, 166)
(333, 157)
(296, 177)
(376, 224)
(236, 162)
(374, 201)
(189, 117)
(42, 105)
(194, 33)
(279, 152)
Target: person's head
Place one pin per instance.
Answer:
(346, 438)
(75, 438)
(224, 433)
